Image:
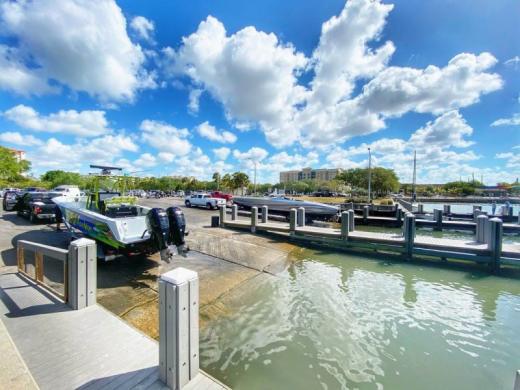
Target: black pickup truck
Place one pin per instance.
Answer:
(37, 205)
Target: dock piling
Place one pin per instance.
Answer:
(265, 212)
(254, 218)
(437, 217)
(420, 208)
(366, 212)
(482, 221)
(301, 216)
(234, 212)
(517, 381)
(223, 216)
(447, 209)
(178, 327)
(345, 224)
(476, 213)
(292, 221)
(494, 242)
(351, 220)
(82, 273)
(409, 233)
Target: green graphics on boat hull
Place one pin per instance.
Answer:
(97, 230)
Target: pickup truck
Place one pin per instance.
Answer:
(222, 195)
(36, 205)
(204, 200)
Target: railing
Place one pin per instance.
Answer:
(55, 280)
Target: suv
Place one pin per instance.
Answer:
(37, 205)
(204, 200)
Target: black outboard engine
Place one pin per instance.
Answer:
(177, 224)
(159, 228)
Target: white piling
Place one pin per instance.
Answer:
(292, 221)
(494, 241)
(351, 220)
(301, 216)
(437, 217)
(223, 216)
(480, 230)
(82, 273)
(345, 224)
(409, 233)
(420, 208)
(178, 327)
(254, 218)
(517, 381)
(234, 212)
(265, 212)
(366, 212)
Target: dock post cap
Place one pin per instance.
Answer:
(179, 276)
(496, 219)
(82, 242)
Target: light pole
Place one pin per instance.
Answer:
(254, 162)
(255, 177)
(369, 175)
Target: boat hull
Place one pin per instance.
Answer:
(283, 206)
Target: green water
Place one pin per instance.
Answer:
(337, 321)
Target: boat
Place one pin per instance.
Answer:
(119, 225)
(283, 205)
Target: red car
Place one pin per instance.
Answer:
(221, 195)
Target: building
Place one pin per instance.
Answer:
(18, 154)
(309, 174)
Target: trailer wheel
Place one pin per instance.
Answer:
(187, 203)
(209, 206)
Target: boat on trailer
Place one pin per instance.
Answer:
(283, 205)
(120, 226)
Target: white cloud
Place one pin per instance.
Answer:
(165, 137)
(146, 160)
(166, 157)
(222, 153)
(210, 132)
(254, 154)
(15, 138)
(193, 105)
(448, 129)
(81, 123)
(514, 61)
(513, 121)
(143, 27)
(78, 43)
(512, 159)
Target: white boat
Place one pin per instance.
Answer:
(283, 205)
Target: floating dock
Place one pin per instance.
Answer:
(487, 247)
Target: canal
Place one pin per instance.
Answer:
(333, 321)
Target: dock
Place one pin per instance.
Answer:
(69, 341)
(486, 248)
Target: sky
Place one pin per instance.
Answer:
(197, 87)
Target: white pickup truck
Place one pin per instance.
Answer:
(204, 200)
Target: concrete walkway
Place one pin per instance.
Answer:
(87, 349)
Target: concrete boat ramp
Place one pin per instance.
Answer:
(64, 348)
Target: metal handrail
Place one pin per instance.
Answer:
(41, 250)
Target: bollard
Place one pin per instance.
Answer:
(447, 209)
(301, 216)
(494, 242)
(409, 233)
(292, 221)
(178, 327)
(517, 381)
(366, 211)
(234, 212)
(345, 224)
(82, 273)
(351, 220)
(420, 208)
(480, 231)
(437, 217)
(265, 211)
(254, 218)
(222, 216)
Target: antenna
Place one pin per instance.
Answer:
(106, 170)
(414, 194)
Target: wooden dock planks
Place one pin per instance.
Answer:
(88, 349)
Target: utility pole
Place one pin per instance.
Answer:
(255, 177)
(369, 175)
(414, 180)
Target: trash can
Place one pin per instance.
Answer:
(215, 221)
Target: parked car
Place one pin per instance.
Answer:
(37, 205)
(204, 200)
(9, 199)
(222, 195)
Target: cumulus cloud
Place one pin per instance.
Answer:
(193, 105)
(254, 154)
(513, 121)
(165, 137)
(512, 159)
(146, 160)
(78, 43)
(210, 132)
(448, 129)
(222, 153)
(166, 157)
(86, 123)
(15, 138)
(143, 27)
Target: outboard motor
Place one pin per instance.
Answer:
(159, 228)
(177, 224)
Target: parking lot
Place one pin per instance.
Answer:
(225, 261)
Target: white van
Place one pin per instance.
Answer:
(70, 191)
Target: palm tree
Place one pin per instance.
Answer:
(240, 180)
(216, 179)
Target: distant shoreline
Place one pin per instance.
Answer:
(473, 199)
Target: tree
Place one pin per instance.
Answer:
(383, 180)
(216, 179)
(10, 168)
(57, 177)
(240, 180)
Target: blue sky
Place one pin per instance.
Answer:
(189, 88)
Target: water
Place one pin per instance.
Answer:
(336, 321)
(467, 208)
